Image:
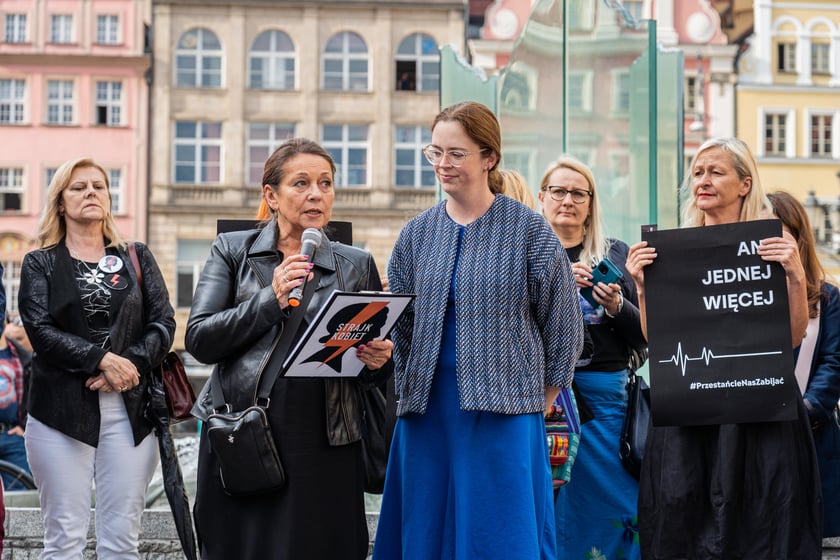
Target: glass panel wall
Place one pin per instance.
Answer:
(587, 79)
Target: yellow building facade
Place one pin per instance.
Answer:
(788, 108)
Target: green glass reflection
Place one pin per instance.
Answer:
(587, 79)
(462, 82)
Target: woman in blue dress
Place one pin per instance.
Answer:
(596, 511)
(492, 336)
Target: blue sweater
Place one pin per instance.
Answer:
(518, 321)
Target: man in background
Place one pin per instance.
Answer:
(15, 360)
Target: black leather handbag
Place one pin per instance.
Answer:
(635, 427)
(180, 396)
(242, 441)
(244, 446)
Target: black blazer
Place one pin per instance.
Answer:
(51, 309)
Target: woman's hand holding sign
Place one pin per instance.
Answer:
(639, 256)
(784, 250)
(375, 354)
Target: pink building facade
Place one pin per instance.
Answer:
(73, 83)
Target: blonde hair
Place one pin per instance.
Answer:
(755, 204)
(52, 227)
(515, 186)
(595, 242)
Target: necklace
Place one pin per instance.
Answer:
(75, 254)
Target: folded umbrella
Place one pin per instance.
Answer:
(173, 481)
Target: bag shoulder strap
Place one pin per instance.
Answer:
(132, 253)
(271, 371)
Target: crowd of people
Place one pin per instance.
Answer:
(506, 312)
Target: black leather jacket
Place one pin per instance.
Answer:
(235, 319)
(63, 359)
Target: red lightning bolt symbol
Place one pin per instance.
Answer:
(114, 279)
(363, 315)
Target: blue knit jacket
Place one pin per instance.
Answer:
(518, 320)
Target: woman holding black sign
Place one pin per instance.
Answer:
(240, 312)
(596, 510)
(746, 490)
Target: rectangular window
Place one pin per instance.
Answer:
(690, 100)
(49, 173)
(621, 93)
(774, 134)
(821, 133)
(198, 152)
(520, 161)
(348, 145)
(786, 57)
(12, 101)
(61, 28)
(11, 190)
(190, 257)
(574, 93)
(108, 103)
(579, 92)
(60, 102)
(581, 15)
(411, 168)
(820, 53)
(15, 28)
(263, 139)
(116, 187)
(11, 282)
(107, 29)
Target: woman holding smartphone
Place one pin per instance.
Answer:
(596, 511)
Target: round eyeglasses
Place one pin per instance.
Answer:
(558, 194)
(455, 157)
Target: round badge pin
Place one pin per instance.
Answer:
(115, 281)
(110, 263)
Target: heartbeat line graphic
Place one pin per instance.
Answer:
(680, 359)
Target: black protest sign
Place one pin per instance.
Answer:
(718, 327)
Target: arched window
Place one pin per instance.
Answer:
(518, 88)
(418, 64)
(198, 60)
(271, 62)
(345, 65)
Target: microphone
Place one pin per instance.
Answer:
(309, 241)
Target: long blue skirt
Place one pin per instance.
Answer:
(466, 485)
(596, 511)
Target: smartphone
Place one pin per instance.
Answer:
(605, 271)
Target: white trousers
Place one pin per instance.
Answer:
(65, 468)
